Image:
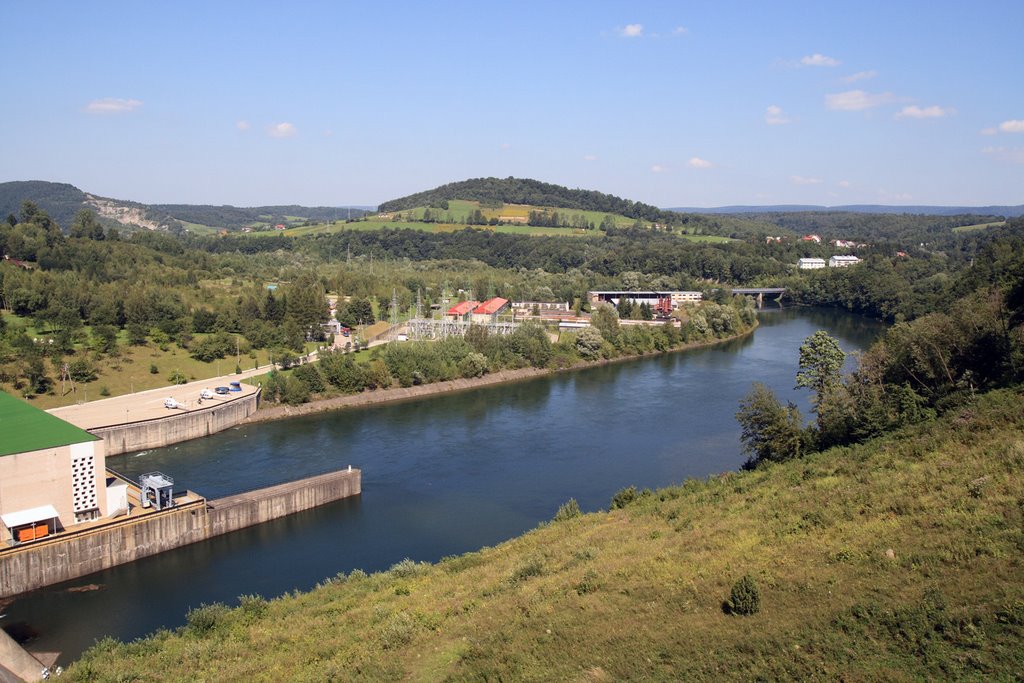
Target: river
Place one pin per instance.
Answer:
(441, 476)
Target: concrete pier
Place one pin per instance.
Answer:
(76, 554)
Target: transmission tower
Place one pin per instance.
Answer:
(419, 303)
(394, 312)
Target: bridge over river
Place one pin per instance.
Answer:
(759, 292)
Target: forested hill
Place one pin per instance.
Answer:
(526, 191)
(62, 201)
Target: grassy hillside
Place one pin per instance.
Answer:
(896, 560)
(510, 219)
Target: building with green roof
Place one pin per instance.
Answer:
(52, 473)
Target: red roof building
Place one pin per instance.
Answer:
(489, 310)
(462, 310)
(491, 306)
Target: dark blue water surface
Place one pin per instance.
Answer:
(442, 475)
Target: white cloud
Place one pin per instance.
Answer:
(112, 105)
(680, 31)
(819, 60)
(844, 183)
(589, 157)
(632, 31)
(328, 133)
(1012, 126)
(856, 100)
(916, 112)
(659, 168)
(859, 76)
(505, 145)
(1014, 155)
(800, 180)
(281, 130)
(774, 116)
(697, 162)
(243, 125)
(989, 131)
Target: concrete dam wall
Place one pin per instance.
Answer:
(76, 554)
(163, 431)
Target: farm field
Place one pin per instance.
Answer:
(979, 226)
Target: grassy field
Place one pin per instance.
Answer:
(898, 560)
(199, 229)
(979, 226)
(451, 220)
(131, 370)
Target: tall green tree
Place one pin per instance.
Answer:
(770, 431)
(821, 366)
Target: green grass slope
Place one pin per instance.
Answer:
(897, 560)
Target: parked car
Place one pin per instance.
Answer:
(171, 403)
(235, 386)
(222, 390)
(205, 393)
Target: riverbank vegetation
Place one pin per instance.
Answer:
(529, 346)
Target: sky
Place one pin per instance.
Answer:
(671, 103)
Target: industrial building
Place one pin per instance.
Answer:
(841, 261)
(666, 301)
(52, 474)
(810, 263)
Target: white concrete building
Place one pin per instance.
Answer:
(810, 263)
(843, 261)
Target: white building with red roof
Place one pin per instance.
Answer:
(489, 310)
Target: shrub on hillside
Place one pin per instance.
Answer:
(744, 598)
(568, 510)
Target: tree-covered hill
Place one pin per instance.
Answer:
(533, 192)
(60, 200)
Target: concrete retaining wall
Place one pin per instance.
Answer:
(62, 558)
(237, 512)
(163, 431)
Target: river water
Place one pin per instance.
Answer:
(441, 476)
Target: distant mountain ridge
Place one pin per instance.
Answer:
(62, 201)
(1005, 210)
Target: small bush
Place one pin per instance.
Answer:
(406, 568)
(744, 598)
(588, 584)
(252, 606)
(568, 510)
(153, 369)
(104, 391)
(205, 618)
(532, 567)
(623, 498)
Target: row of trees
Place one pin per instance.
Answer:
(415, 363)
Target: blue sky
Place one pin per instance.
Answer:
(670, 103)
